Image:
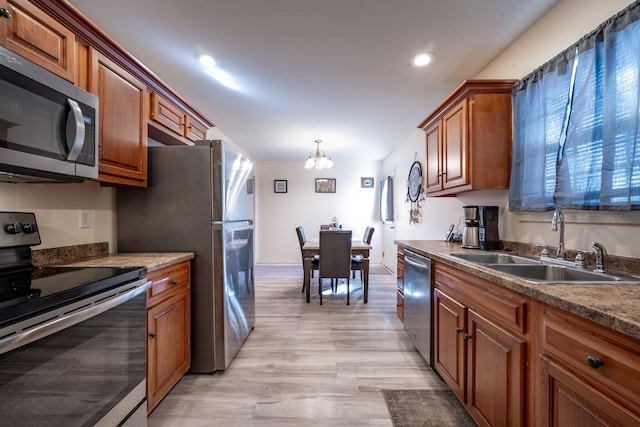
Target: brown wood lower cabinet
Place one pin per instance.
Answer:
(496, 373)
(513, 360)
(168, 327)
(400, 284)
(590, 376)
(480, 347)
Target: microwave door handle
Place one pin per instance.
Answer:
(75, 130)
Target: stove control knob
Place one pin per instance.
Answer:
(14, 228)
(29, 228)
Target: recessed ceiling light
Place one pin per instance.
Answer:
(422, 59)
(207, 61)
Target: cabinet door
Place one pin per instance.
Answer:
(195, 130)
(433, 165)
(449, 344)
(33, 34)
(123, 122)
(496, 365)
(168, 325)
(400, 284)
(455, 145)
(168, 115)
(570, 402)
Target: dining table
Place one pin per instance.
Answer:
(311, 248)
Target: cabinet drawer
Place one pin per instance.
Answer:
(500, 305)
(167, 280)
(572, 342)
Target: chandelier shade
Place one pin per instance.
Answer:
(318, 159)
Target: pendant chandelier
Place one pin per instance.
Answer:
(318, 159)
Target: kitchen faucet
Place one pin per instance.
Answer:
(600, 251)
(559, 218)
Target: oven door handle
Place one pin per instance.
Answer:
(34, 329)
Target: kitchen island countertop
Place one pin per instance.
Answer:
(614, 306)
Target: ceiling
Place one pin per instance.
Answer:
(335, 70)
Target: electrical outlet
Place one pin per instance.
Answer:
(85, 219)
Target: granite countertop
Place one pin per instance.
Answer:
(612, 305)
(152, 261)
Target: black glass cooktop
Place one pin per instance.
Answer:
(26, 292)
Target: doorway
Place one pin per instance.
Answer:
(387, 218)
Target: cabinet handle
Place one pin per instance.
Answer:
(594, 362)
(467, 336)
(4, 13)
(153, 334)
(174, 282)
(458, 330)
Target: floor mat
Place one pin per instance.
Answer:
(425, 408)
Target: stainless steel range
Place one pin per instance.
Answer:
(72, 340)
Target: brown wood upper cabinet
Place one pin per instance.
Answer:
(123, 122)
(167, 117)
(468, 139)
(36, 36)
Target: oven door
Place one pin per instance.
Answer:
(83, 364)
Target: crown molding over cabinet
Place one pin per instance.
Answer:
(84, 28)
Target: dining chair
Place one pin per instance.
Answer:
(330, 226)
(335, 257)
(302, 239)
(356, 260)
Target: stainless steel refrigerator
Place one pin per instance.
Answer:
(200, 199)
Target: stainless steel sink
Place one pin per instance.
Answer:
(494, 258)
(558, 273)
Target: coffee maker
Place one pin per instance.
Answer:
(471, 231)
(488, 228)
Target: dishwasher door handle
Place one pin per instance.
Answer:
(416, 263)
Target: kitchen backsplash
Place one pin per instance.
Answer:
(66, 254)
(612, 262)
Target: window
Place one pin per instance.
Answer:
(577, 122)
(386, 200)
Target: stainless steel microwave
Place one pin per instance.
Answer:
(48, 126)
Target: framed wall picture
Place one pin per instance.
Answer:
(366, 182)
(325, 185)
(279, 185)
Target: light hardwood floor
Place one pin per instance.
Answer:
(306, 364)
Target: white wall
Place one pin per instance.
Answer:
(277, 214)
(563, 25)
(57, 208)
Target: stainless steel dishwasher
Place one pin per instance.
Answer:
(417, 302)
